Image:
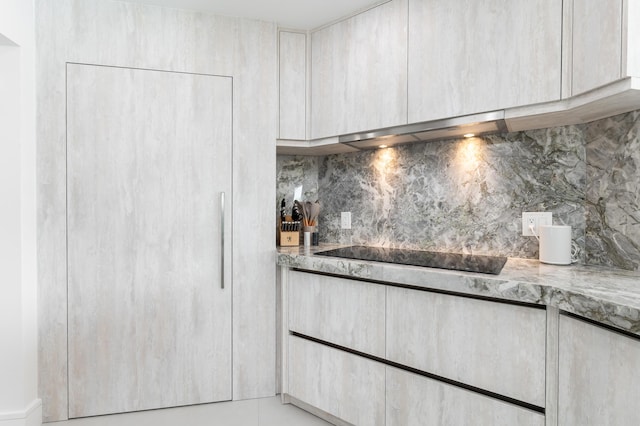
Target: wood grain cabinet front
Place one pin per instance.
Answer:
(341, 311)
(497, 347)
(599, 380)
(430, 357)
(292, 85)
(603, 39)
(347, 386)
(359, 72)
(468, 56)
(414, 400)
(149, 315)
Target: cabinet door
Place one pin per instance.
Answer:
(469, 56)
(292, 54)
(345, 312)
(359, 72)
(414, 400)
(494, 346)
(344, 385)
(148, 155)
(599, 381)
(596, 43)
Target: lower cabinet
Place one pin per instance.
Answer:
(344, 385)
(344, 312)
(414, 400)
(599, 381)
(497, 347)
(452, 360)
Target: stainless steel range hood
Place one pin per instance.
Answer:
(477, 124)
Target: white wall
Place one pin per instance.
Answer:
(18, 299)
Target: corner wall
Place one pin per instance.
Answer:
(19, 403)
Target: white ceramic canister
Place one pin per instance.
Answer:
(555, 244)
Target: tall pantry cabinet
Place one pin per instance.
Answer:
(148, 168)
(146, 117)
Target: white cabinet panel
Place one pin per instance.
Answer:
(599, 381)
(344, 385)
(345, 312)
(359, 72)
(173, 40)
(494, 346)
(468, 56)
(292, 85)
(631, 38)
(413, 400)
(149, 154)
(596, 43)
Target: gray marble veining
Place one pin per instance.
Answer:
(609, 296)
(463, 196)
(468, 195)
(613, 191)
(293, 171)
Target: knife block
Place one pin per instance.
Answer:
(287, 238)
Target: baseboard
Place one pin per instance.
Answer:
(30, 416)
(316, 411)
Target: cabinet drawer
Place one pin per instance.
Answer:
(599, 375)
(494, 346)
(413, 400)
(346, 312)
(344, 385)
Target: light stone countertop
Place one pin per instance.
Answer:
(605, 295)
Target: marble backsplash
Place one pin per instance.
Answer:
(468, 195)
(613, 192)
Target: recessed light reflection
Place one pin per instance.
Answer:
(469, 135)
(382, 146)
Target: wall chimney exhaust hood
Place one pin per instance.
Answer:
(450, 128)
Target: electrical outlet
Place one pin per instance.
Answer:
(345, 220)
(534, 219)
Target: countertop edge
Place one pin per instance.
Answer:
(607, 296)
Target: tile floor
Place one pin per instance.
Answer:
(256, 412)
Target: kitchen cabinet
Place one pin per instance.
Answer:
(498, 347)
(447, 359)
(359, 72)
(344, 312)
(292, 57)
(599, 375)
(413, 400)
(466, 56)
(342, 384)
(603, 38)
(596, 43)
(170, 40)
(148, 161)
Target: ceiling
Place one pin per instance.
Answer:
(292, 14)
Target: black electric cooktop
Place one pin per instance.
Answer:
(431, 259)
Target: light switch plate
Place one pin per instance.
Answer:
(536, 219)
(345, 220)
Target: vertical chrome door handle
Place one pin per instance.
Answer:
(222, 240)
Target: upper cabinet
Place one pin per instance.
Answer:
(359, 72)
(292, 67)
(541, 63)
(467, 56)
(602, 42)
